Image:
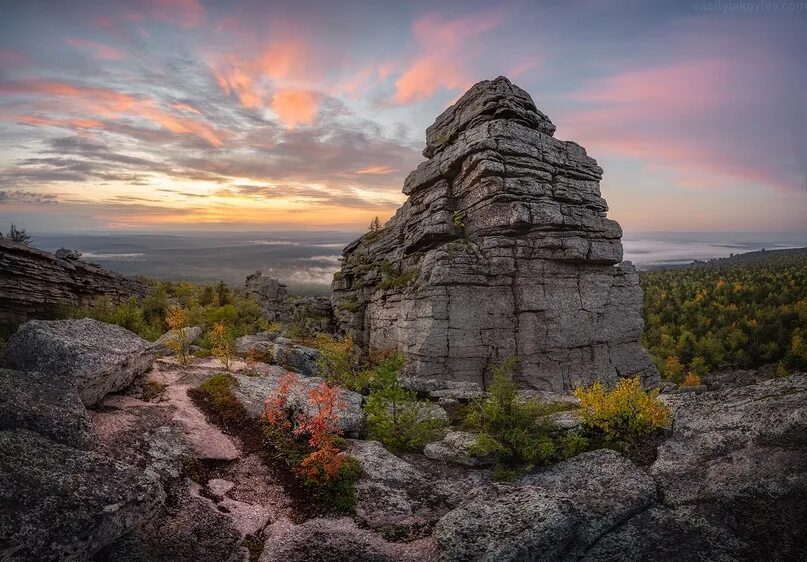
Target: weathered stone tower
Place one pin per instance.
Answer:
(502, 248)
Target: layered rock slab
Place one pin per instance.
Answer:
(503, 248)
(46, 405)
(33, 281)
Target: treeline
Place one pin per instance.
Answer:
(201, 305)
(738, 315)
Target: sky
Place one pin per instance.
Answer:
(202, 115)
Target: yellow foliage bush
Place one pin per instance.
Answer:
(177, 320)
(624, 413)
(222, 343)
(692, 379)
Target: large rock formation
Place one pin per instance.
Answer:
(33, 282)
(502, 248)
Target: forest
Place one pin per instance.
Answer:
(740, 312)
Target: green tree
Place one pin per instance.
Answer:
(394, 416)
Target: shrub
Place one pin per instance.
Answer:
(510, 428)
(339, 363)
(222, 343)
(177, 321)
(623, 414)
(691, 380)
(310, 445)
(394, 416)
(17, 235)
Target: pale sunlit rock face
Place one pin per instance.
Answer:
(503, 248)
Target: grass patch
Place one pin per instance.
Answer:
(397, 281)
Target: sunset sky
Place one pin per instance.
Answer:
(159, 115)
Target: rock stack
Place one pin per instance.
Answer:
(33, 282)
(503, 248)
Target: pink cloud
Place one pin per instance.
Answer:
(109, 104)
(99, 50)
(295, 107)
(441, 63)
(684, 117)
(238, 81)
(376, 170)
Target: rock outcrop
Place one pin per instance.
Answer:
(167, 343)
(503, 248)
(311, 315)
(271, 296)
(34, 282)
(98, 358)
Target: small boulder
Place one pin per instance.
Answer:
(98, 358)
(67, 254)
(61, 503)
(253, 392)
(298, 358)
(255, 344)
(454, 448)
(162, 347)
(49, 406)
(392, 495)
(328, 540)
(567, 420)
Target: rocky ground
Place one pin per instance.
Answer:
(145, 474)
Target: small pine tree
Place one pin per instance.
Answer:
(207, 296)
(223, 294)
(394, 416)
(17, 235)
(375, 224)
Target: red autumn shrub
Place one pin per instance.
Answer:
(307, 442)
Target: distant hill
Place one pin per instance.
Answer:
(760, 257)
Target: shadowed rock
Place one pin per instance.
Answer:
(503, 248)
(47, 405)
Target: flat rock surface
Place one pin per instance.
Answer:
(327, 540)
(555, 514)
(61, 503)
